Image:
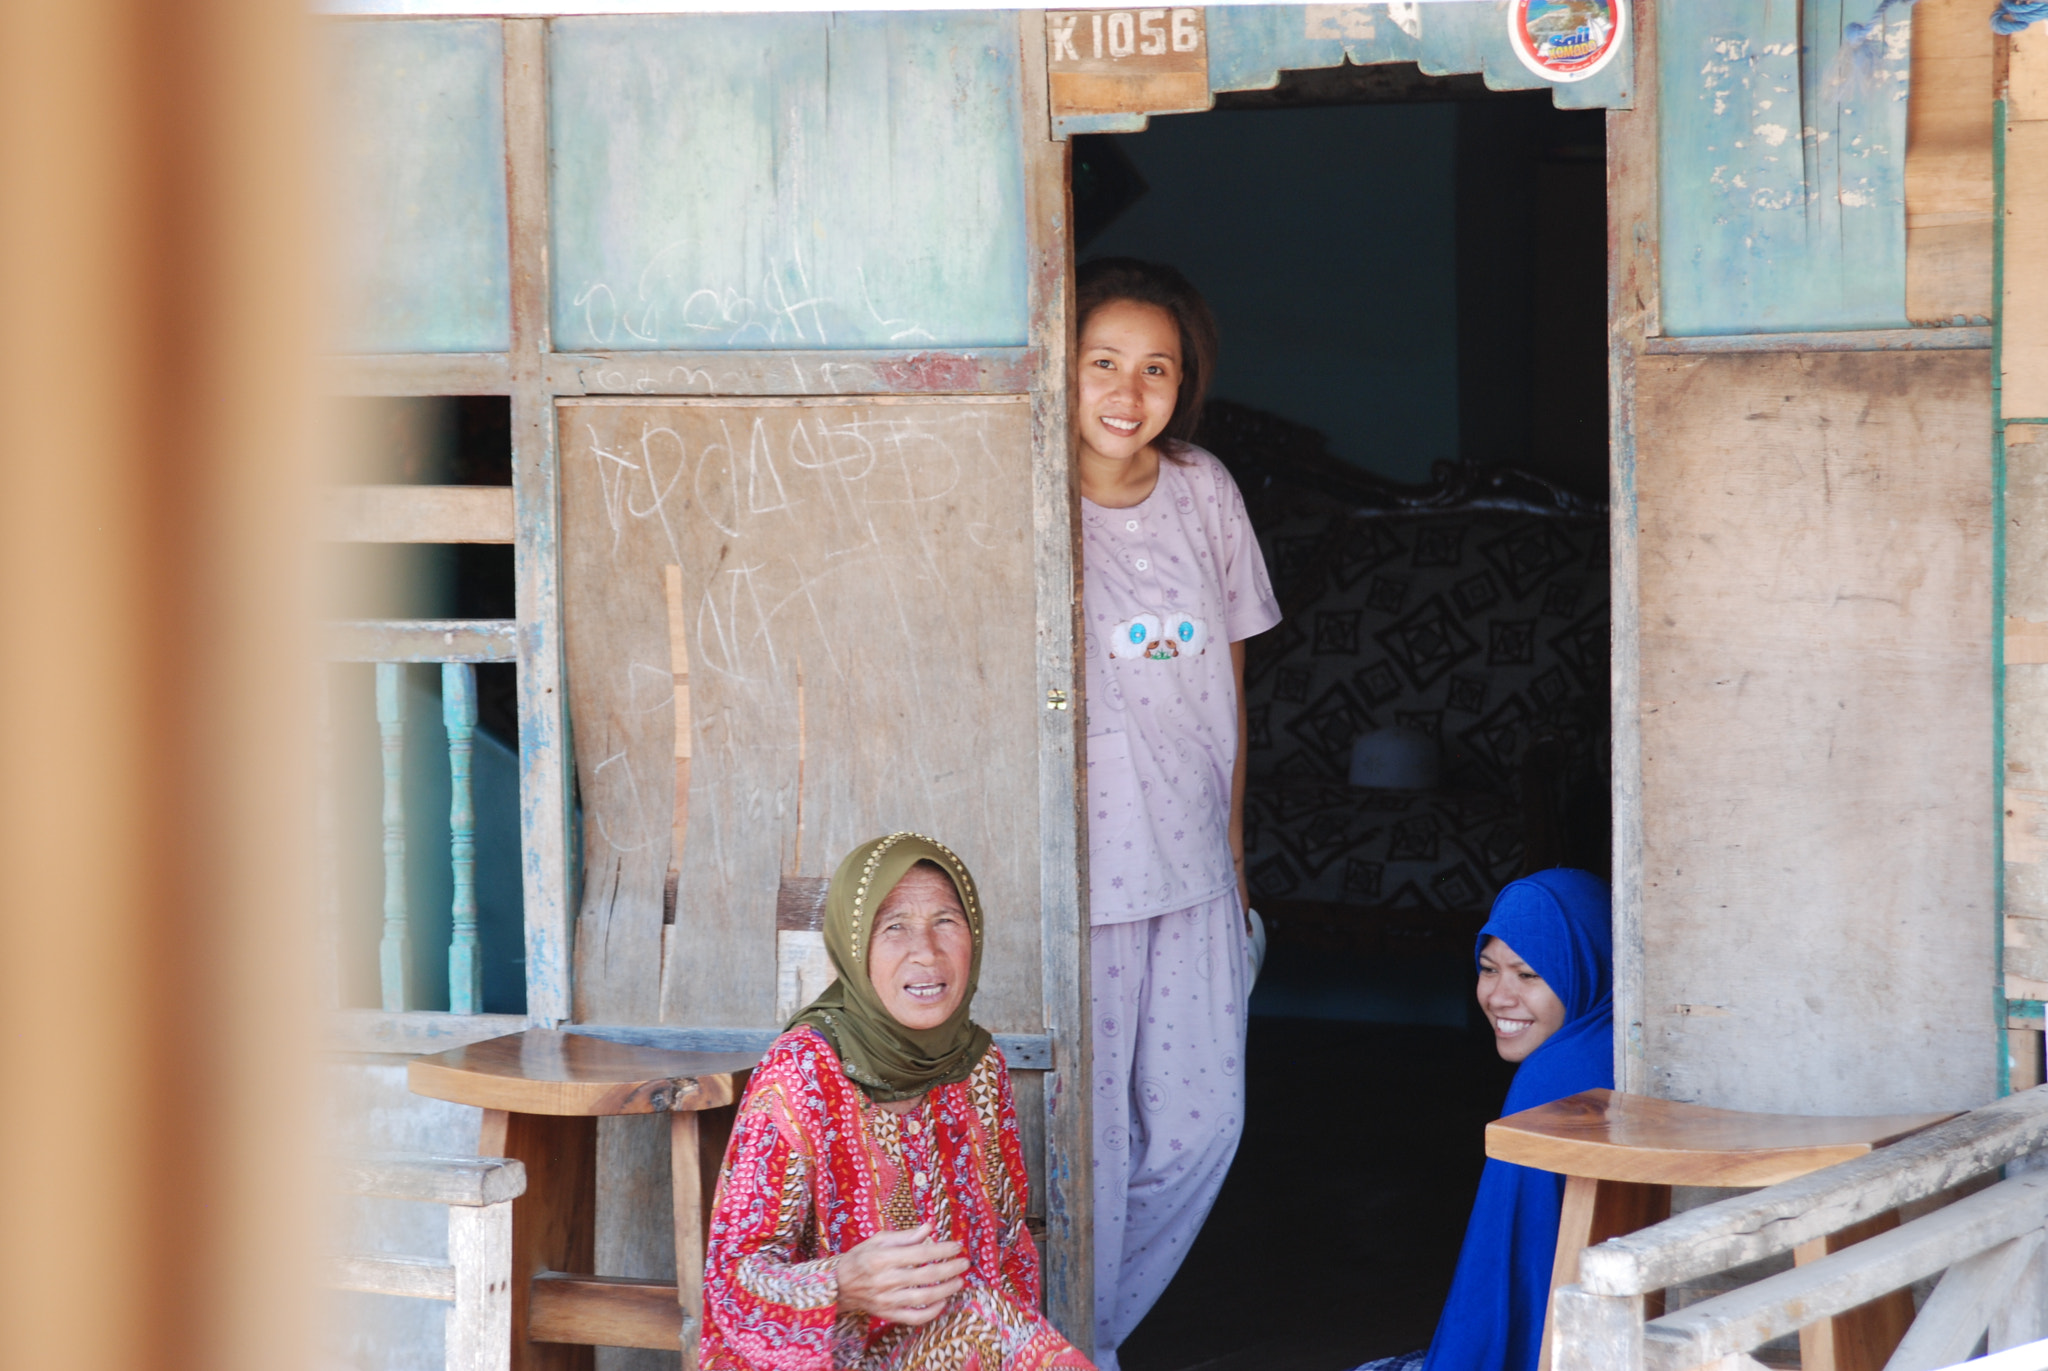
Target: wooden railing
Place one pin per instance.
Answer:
(455, 645)
(476, 1278)
(1990, 1244)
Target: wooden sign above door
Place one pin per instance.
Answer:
(1135, 61)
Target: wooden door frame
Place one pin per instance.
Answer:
(1063, 849)
(1631, 318)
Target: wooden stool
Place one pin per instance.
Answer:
(1621, 1154)
(542, 1094)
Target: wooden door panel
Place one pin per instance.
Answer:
(880, 554)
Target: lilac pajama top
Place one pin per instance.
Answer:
(1168, 585)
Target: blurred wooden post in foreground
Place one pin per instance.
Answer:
(154, 701)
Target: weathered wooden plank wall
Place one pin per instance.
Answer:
(1781, 169)
(884, 552)
(416, 203)
(787, 181)
(1815, 582)
(1948, 165)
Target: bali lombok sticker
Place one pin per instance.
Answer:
(1566, 40)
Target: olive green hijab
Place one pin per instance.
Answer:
(880, 1055)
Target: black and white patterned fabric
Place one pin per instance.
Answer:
(1480, 628)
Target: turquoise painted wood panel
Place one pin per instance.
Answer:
(417, 194)
(1250, 45)
(787, 181)
(1782, 152)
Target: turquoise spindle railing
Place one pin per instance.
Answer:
(394, 953)
(458, 714)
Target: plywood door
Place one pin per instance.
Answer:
(860, 613)
(1817, 892)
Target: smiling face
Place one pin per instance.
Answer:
(1520, 1004)
(1130, 379)
(921, 950)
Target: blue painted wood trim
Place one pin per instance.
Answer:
(465, 961)
(422, 640)
(1024, 1051)
(545, 840)
(394, 950)
(1849, 340)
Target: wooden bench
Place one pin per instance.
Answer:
(1621, 1154)
(542, 1093)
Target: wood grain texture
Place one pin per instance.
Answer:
(418, 196)
(1593, 1332)
(421, 640)
(1062, 1172)
(1594, 1211)
(418, 373)
(2024, 318)
(1841, 1281)
(418, 1278)
(461, 1181)
(688, 219)
(800, 904)
(1767, 225)
(1960, 1309)
(416, 514)
(418, 1030)
(1862, 1338)
(1815, 566)
(1023, 1051)
(1746, 1228)
(553, 1223)
(1948, 164)
(542, 1071)
(2022, 1316)
(604, 1311)
(822, 371)
(1632, 275)
(1609, 1136)
(884, 547)
(543, 702)
(479, 1329)
(1955, 338)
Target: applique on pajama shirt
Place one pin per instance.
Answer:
(814, 1169)
(1168, 585)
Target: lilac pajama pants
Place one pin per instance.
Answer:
(1169, 1006)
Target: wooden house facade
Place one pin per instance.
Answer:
(779, 306)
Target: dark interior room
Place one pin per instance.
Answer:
(1409, 276)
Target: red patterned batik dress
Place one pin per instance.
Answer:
(815, 1169)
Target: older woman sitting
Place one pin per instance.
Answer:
(870, 1212)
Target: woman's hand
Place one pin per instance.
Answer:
(903, 1277)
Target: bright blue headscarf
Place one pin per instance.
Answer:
(1558, 922)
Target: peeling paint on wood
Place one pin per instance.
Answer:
(1250, 45)
(709, 194)
(1782, 168)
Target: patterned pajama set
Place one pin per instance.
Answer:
(1169, 584)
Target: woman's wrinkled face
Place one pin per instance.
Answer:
(1130, 378)
(1520, 1004)
(921, 949)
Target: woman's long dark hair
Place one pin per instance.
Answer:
(1108, 279)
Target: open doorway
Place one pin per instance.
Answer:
(1409, 276)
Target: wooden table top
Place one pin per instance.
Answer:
(544, 1071)
(1615, 1137)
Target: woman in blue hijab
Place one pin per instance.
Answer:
(1546, 982)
